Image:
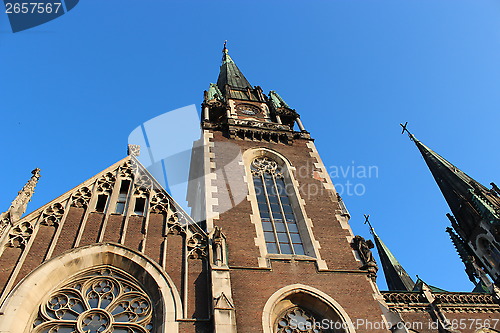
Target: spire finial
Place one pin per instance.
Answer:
(367, 221)
(18, 206)
(405, 129)
(224, 50)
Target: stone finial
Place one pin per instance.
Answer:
(134, 150)
(20, 203)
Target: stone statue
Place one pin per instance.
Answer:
(364, 249)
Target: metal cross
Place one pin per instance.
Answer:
(367, 221)
(405, 129)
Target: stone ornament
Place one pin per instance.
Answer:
(197, 245)
(18, 206)
(263, 165)
(105, 183)
(20, 234)
(134, 150)
(81, 198)
(102, 300)
(52, 215)
(160, 203)
(126, 170)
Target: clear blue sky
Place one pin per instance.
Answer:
(73, 89)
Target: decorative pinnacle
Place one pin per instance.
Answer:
(133, 150)
(405, 129)
(18, 206)
(224, 50)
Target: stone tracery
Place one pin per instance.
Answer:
(101, 300)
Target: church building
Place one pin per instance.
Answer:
(258, 253)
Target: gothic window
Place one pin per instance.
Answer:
(122, 197)
(278, 219)
(140, 204)
(299, 320)
(100, 206)
(103, 300)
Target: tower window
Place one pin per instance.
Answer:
(278, 219)
(122, 197)
(102, 199)
(140, 203)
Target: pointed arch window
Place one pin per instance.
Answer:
(279, 222)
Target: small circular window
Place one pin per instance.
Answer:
(248, 109)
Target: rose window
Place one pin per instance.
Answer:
(103, 300)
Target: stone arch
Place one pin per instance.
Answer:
(253, 153)
(306, 297)
(21, 306)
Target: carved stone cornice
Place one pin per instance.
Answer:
(446, 302)
(286, 112)
(259, 124)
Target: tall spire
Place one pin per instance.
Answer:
(20, 203)
(230, 74)
(469, 201)
(476, 213)
(395, 275)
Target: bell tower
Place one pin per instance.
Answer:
(282, 245)
(244, 111)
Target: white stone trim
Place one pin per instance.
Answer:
(209, 177)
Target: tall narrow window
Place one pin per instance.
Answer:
(278, 220)
(122, 197)
(140, 203)
(102, 199)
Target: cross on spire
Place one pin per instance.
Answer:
(405, 129)
(367, 221)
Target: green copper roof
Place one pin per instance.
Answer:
(395, 275)
(277, 101)
(420, 283)
(484, 207)
(214, 93)
(230, 74)
(481, 288)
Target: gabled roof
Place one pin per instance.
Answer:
(79, 196)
